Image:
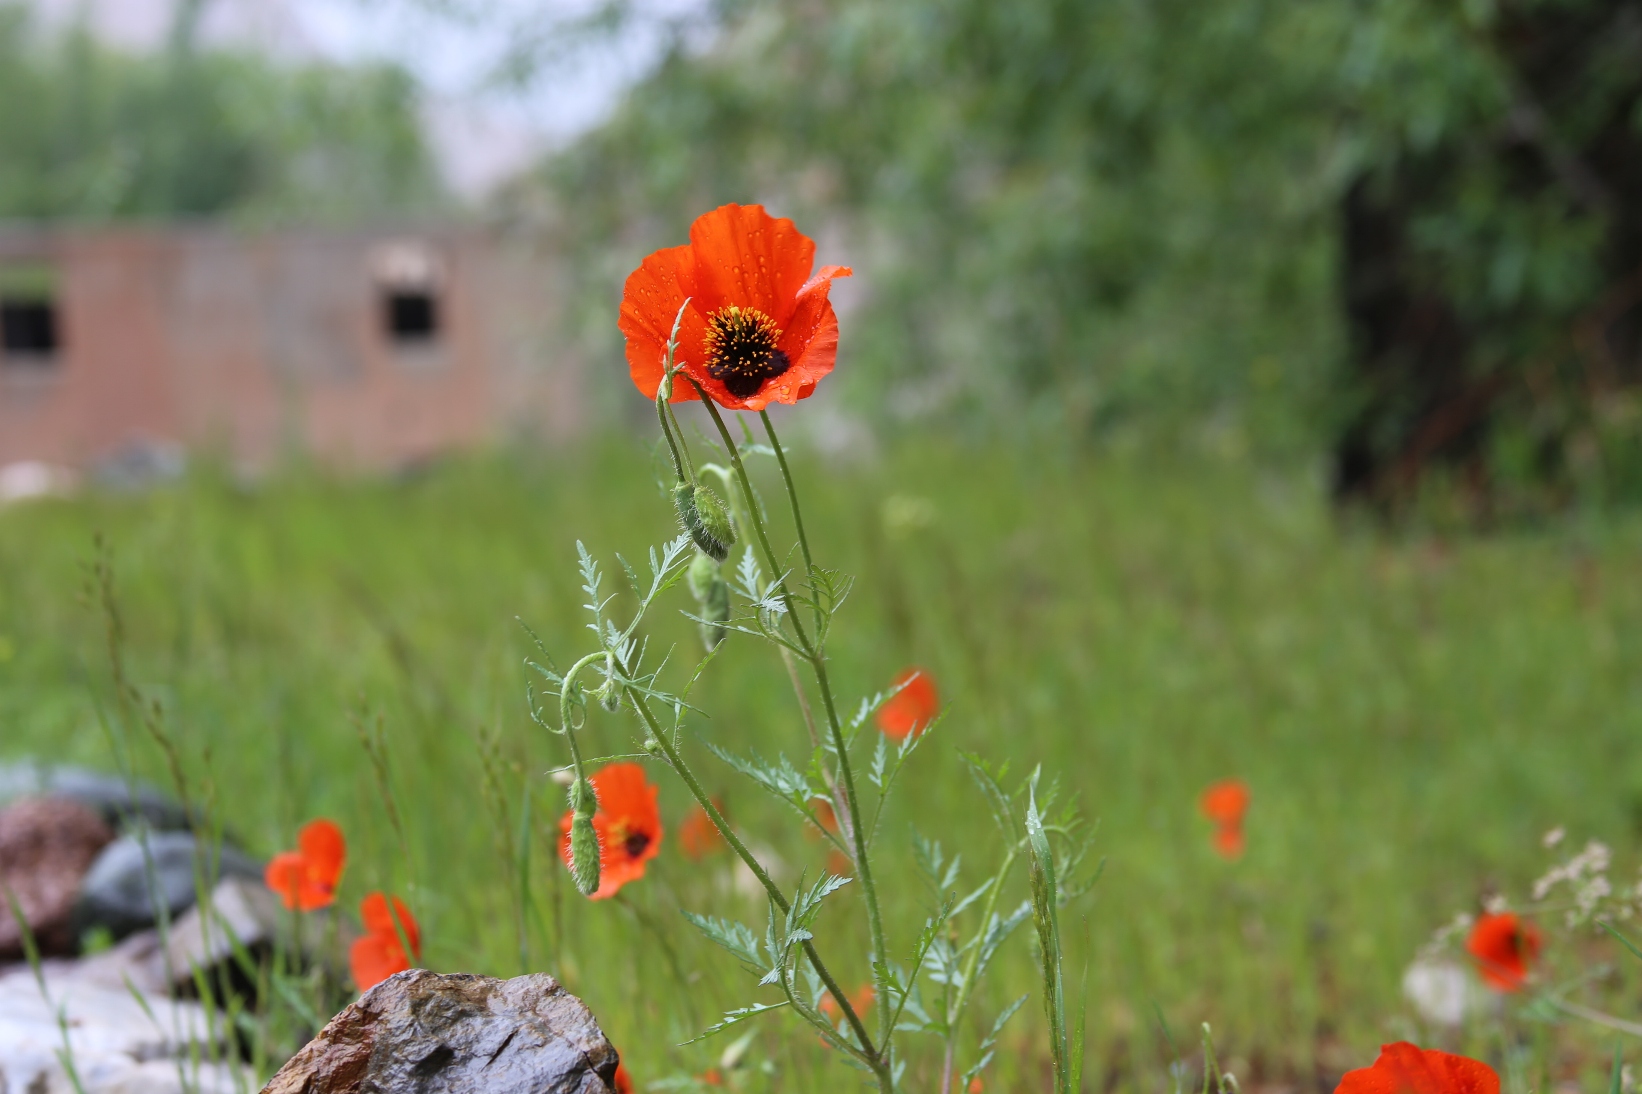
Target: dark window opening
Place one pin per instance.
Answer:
(28, 327)
(411, 316)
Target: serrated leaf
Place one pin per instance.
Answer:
(735, 1018)
(738, 938)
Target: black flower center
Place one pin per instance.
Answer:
(635, 843)
(741, 351)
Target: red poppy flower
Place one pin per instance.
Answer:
(628, 823)
(758, 329)
(1505, 946)
(712, 1077)
(1403, 1068)
(623, 1082)
(911, 709)
(380, 953)
(697, 836)
(306, 878)
(1225, 803)
(976, 1086)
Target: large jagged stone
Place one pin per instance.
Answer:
(46, 847)
(422, 1033)
(136, 873)
(121, 804)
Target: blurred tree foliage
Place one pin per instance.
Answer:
(1204, 212)
(89, 132)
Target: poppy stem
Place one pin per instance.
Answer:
(818, 665)
(797, 516)
(664, 398)
(870, 1052)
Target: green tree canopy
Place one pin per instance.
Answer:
(1102, 212)
(93, 133)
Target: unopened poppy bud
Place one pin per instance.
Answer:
(700, 576)
(584, 841)
(705, 518)
(712, 593)
(664, 390)
(610, 698)
(652, 746)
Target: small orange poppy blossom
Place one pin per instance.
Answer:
(1403, 1068)
(628, 823)
(1504, 945)
(976, 1086)
(379, 953)
(1225, 803)
(306, 878)
(911, 709)
(758, 328)
(697, 836)
(623, 1081)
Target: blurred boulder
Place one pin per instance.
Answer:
(122, 1039)
(46, 847)
(140, 465)
(246, 923)
(117, 893)
(120, 803)
(460, 1034)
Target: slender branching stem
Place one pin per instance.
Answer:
(703, 799)
(797, 514)
(972, 966)
(818, 665)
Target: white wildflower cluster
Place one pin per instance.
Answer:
(1458, 927)
(1586, 877)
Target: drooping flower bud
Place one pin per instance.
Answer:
(712, 593)
(584, 841)
(705, 518)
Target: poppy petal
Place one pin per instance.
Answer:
(1403, 1068)
(373, 911)
(1225, 802)
(1228, 841)
(650, 301)
(373, 958)
(1504, 946)
(321, 843)
(285, 874)
(810, 341)
(911, 709)
(746, 257)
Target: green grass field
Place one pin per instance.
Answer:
(1411, 714)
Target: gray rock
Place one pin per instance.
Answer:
(120, 804)
(418, 1032)
(46, 846)
(247, 921)
(116, 892)
(121, 1041)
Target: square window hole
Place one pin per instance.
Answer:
(28, 327)
(410, 316)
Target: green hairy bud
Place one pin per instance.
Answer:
(705, 518)
(584, 841)
(712, 593)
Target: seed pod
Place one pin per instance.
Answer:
(705, 518)
(584, 841)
